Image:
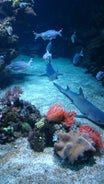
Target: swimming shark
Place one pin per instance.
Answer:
(50, 72)
(87, 109)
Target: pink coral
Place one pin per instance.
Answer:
(55, 113)
(94, 134)
(69, 118)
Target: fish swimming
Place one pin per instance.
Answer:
(48, 56)
(19, 66)
(48, 35)
(50, 72)
(100, 75)
(77, 58)
(9, 30)
(73, 37)
(87, 109)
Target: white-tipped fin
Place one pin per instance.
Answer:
(60, 31)
(36, 35)
(68, 88)
(81, 92)
(30, 61)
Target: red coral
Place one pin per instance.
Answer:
(69, 118)
(55, 113)
(95, 135)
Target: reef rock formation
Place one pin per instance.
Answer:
(73, 145)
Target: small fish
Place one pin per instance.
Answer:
(77, 58)
(9, 30)
(100, 75)
(48, 35)
(23, 5)
(73, 37)
(48, 56)
(1, 58)
(19, 66)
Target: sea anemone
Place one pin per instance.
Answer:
(94, 134)
(55, 113)
(69, 118)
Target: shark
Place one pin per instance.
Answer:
(50, 72)
(88, 110)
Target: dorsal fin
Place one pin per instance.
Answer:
(81, 92)
(67, 88)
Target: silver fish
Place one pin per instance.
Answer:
(19, 66)
(48, 35)
(47, 56)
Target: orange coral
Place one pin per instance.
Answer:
(69, 118)
(95, 135)
(55, 113)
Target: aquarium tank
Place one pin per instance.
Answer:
(51, 92)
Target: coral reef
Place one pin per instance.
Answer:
(37, 140)
(21, 118)
(74, 142)
(73, 146)
(17, 117)
(69, 118)
(11, 12)
(55, 113)
(94, 134)
(11, 96)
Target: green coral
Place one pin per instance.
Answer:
(40, 123)
(9, 128)
(15, 2)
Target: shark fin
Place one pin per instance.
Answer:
(80, 116)
(81, 92)
(67, 88)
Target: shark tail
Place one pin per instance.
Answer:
(30, 61)
(60, 32)
(37, 35)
